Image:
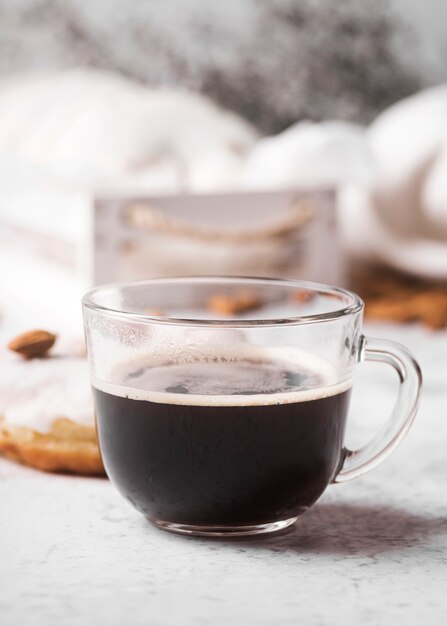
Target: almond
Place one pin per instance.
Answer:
(239, 302)
(303, 297)
(154, 312)
(33, 344)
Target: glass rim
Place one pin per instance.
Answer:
(354, 306)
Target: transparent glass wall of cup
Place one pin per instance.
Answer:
(221, 402)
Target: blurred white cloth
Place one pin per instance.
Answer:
(90, 130)
(310, 155)
(434, 189)
(391, 179)
(409, 200)
(93, 128)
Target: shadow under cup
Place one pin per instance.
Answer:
(227, 420)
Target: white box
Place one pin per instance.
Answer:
(55, 245)
(280, 234)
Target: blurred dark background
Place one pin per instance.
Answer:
(273, 61)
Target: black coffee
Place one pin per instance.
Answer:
(212, 443)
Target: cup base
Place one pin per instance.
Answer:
(225, 531)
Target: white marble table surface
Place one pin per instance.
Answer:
(372, 551)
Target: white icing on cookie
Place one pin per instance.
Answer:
(34, 393)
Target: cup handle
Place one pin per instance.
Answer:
(358, 462)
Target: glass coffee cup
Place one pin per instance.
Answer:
(221, 403)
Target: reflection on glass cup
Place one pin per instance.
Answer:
(221, 403)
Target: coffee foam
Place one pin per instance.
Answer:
(296, 360)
